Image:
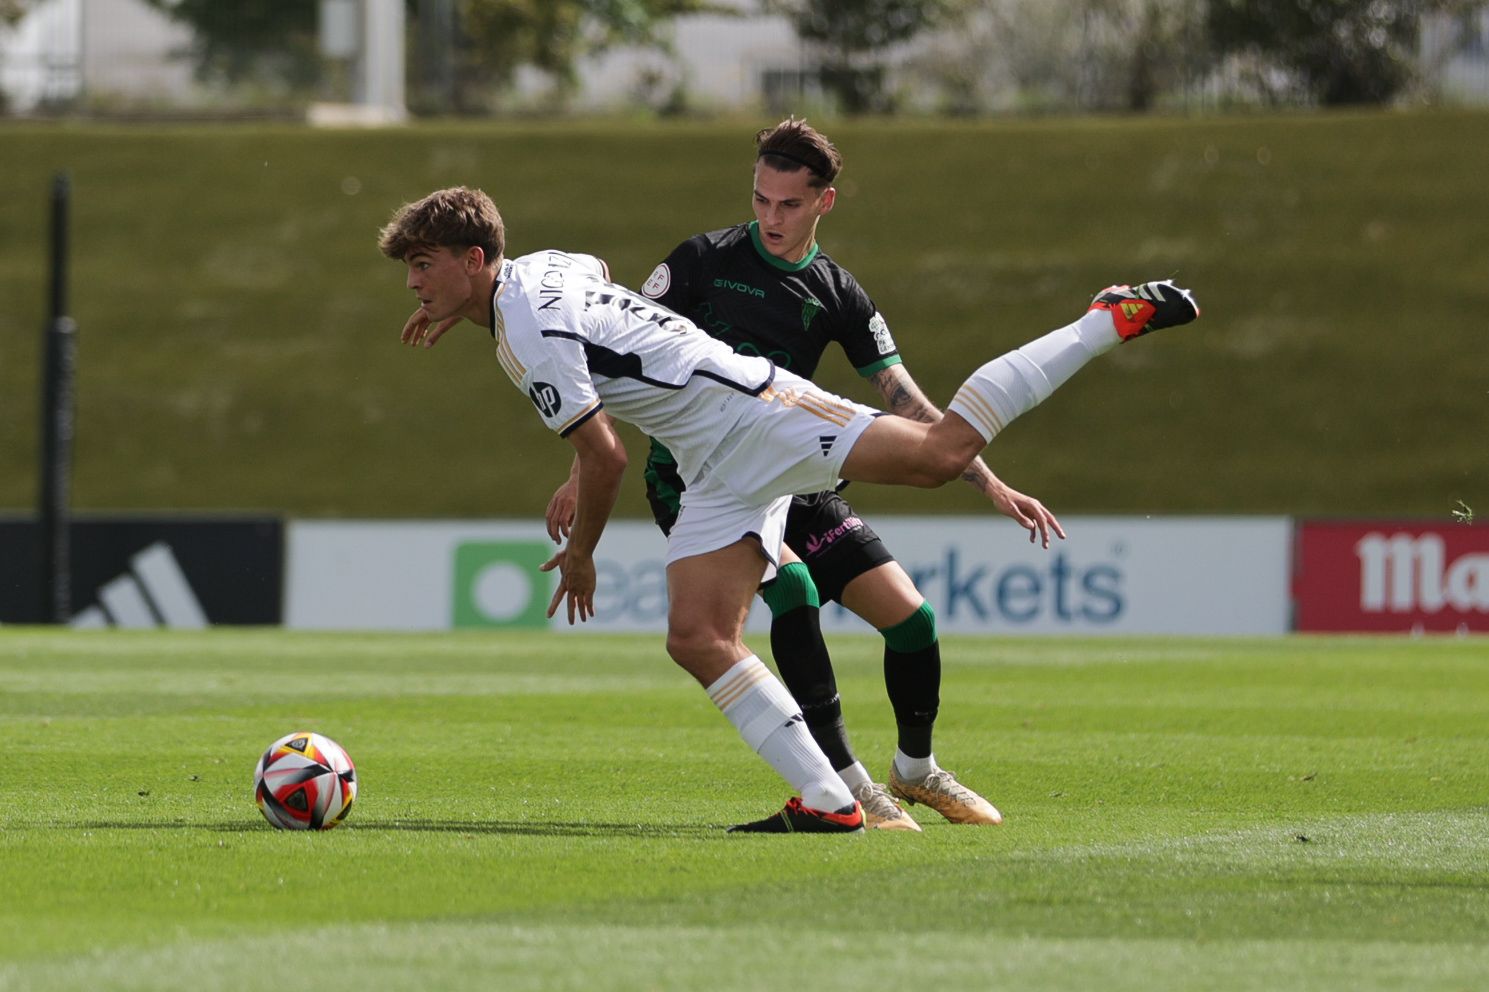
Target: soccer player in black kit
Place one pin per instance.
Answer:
(767, 288)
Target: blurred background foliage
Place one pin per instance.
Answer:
(471, 57)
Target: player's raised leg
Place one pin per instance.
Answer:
(1015, 383)
(898, 451)
(708, 599)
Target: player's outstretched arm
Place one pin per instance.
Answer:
(562, 505)
(904, 397)
(601, 458)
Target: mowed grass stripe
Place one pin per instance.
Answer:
(556, 803)
(522, 958)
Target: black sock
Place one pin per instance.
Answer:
(914, 684)
(803, 662)
(912, 676)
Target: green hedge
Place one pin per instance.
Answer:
(238, 328)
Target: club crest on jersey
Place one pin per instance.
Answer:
(810, 308)
(546, 399)
(658, 282)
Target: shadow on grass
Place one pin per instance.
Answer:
(527, 828)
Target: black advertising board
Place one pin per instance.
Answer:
(152, 571)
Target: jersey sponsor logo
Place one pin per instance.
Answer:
(658, 282)
(739, 287)
(545, 397)
(880, 330)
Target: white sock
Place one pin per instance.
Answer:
(854, 775)
(914, 769)
(1015, 383)
(771, 723)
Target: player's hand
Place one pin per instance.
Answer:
(1027, 511)
(561, 509)
(416, 329)
(576, 584)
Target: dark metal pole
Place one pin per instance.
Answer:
(59, 375)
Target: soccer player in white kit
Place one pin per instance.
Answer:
(746, 436)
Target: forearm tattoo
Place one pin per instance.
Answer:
(902, 398)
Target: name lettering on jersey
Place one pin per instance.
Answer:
(739, 287)
(627, 303)
(551, 283)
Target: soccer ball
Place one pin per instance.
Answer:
(305, 781)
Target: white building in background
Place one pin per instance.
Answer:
(719, 61)
(123, 50)
(126, 52)
(1455, 52)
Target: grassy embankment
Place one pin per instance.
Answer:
(238, 327)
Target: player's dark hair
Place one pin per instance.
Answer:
(457, 218)
(793, 145)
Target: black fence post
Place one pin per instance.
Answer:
(58, 392)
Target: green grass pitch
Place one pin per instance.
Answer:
(543, 812)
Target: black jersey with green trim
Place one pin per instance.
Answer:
(729, 285)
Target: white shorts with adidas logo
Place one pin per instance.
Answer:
(792, 438)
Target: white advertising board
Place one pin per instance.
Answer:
(1117, 575)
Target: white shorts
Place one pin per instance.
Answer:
(793, 438)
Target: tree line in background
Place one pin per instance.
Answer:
(974, 55)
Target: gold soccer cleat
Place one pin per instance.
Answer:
(943, 793)
(880, 811)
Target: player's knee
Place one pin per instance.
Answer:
(790, 590)
(691, 644)
(915, 633)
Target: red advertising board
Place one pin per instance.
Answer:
(1391, 576)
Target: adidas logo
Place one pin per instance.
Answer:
(826, 441)
(1130, 310)
(153, 593)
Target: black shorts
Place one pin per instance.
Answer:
(836, 545)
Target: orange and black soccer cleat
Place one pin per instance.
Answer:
(1152, 306)
(797, 818)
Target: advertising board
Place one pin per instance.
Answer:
(1391, 576)
(1114, 575)
(146, 571)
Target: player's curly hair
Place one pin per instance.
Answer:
(457, 218)
(793, 145)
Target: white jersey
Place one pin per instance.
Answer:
(575, 342)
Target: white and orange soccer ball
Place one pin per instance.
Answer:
(305, 781)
